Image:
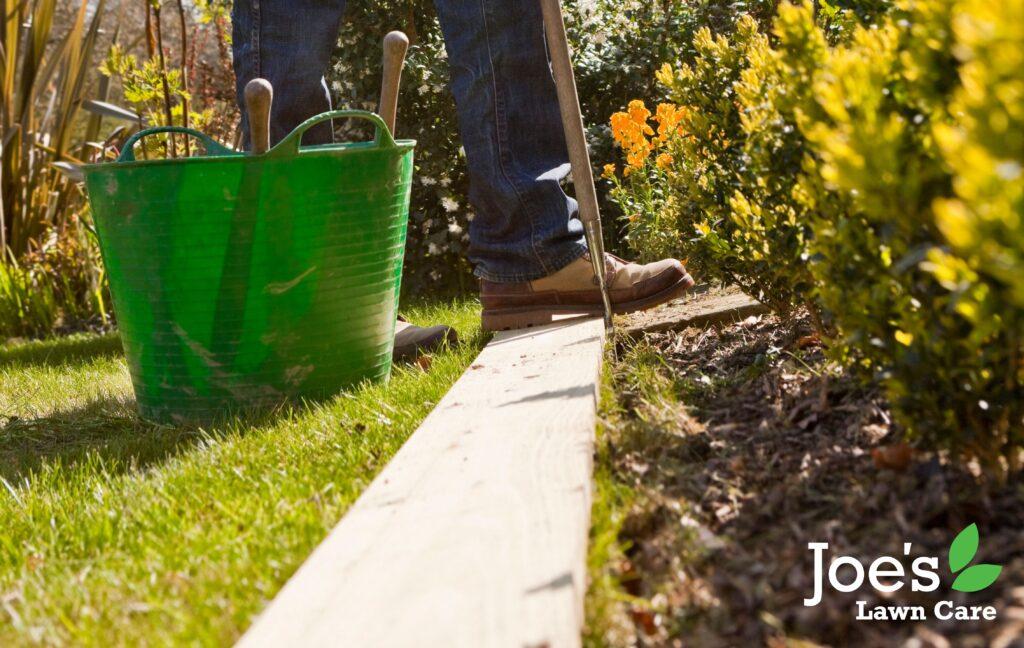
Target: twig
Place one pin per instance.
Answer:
(163, 75)
(184, 71)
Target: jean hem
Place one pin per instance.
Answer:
(577, 251)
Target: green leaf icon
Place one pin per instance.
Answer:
(976, 578)
(962, 551)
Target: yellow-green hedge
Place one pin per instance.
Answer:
(876, 181)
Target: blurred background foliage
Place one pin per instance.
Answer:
(76, 79)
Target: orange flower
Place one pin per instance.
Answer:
(621, 124)
(663, 161)
(636, 157)
(668, 118)
(630, 135)
(609, 171)
(638, 113)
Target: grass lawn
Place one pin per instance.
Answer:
(116, 531)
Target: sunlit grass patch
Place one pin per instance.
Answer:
(117, 531)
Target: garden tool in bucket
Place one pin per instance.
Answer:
(244, 280)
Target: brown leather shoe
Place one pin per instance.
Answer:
(573, 291)
(411, 341)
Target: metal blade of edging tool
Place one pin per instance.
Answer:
(576, 143)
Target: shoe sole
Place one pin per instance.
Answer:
(527, 316)
(407, 353)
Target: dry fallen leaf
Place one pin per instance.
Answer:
(808, 341)
(645, 619)
(894, 457)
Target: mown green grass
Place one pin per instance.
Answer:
(637, 397)
(115, 531)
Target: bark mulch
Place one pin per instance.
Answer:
(770, 447)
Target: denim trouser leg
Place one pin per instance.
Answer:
(507, 107)
(289, 43)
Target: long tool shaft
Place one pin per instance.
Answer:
(396, 44)
(576, 142)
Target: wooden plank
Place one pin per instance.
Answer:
(715, 306)
(475, 534)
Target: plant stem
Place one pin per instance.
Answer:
(150, 39)
(184, 72)
(163, 76)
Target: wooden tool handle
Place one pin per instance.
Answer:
(569, 105)
(259, 95)
(396, 44)
(576, 143)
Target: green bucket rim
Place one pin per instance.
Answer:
(288, 148)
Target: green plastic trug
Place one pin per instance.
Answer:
(242, 281)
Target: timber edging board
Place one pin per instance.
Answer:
(724, 308)
(475, 534)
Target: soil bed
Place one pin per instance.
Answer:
(725, 451)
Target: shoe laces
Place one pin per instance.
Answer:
(612, 265)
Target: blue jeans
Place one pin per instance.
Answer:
(507, 108)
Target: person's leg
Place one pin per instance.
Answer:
(527, 248)
(512, 133)
(289, 43)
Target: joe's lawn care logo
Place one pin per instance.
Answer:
(887, 574)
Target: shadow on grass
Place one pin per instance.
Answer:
(106, 428)
(110, 430)
(74, 349)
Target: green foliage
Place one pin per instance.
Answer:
(59, 284)
(41, 79)
(47, 262)
(211, 11)
(141, 84)
(877, 180)
(729, 199)
(26, 307)
(159, 92)
(937, 318)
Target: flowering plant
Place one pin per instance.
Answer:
(876, 180)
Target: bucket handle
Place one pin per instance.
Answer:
(211, 147)
(289, 146)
